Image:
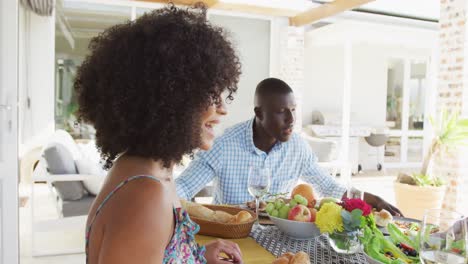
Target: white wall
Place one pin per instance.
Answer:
(371, 50)
(323, 80)
(252, 39)
(37, 80)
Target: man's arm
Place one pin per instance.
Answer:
(328, 186)
(198, 174)
(378, 203)
(200, 171)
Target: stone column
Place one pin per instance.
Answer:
(452, 94)
(291, 64)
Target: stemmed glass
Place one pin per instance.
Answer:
(443, 237)
(258, 184)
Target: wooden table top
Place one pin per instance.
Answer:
(251, 251)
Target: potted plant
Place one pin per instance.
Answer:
(419, 191)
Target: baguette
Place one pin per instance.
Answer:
(200, 211)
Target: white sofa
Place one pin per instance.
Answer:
(72, 173)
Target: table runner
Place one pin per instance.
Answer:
(318, 248)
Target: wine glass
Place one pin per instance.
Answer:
(258, 184)
(352, 192)
(443, 238)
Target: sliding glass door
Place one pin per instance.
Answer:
(407, 95)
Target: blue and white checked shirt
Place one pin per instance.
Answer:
(227, 165)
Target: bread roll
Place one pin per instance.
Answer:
(300, 258)
(242, 217)
(383, 217)
(281, 260)
(290, 258)
(288, 255)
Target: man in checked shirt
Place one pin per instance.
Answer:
(266, 141)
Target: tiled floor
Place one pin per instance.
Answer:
(374, 182)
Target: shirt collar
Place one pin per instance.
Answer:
(250, 145)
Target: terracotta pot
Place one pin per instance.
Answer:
(412, 200)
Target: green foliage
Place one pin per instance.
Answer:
(426, 180)
(351, 221)
(450, 131)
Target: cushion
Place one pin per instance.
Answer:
(77, 208)
(88, 167)
(64, 138)
(60, 161)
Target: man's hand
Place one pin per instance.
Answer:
(379, 204)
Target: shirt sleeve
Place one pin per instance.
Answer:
(199, 173)
(321, 180)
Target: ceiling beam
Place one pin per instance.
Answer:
(325, 10)
(208, 3)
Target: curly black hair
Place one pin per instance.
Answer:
(146, 83)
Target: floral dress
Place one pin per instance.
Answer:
(182, 248)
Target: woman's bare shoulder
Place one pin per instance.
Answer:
(141, 221)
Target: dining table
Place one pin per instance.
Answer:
(252, 252)
(266, 242)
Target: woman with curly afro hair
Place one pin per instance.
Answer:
(152, 89)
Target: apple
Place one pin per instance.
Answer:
(313, 213)
(299, 213)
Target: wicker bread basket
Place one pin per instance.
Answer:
(221, 230)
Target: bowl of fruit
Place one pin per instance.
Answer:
(296, 216)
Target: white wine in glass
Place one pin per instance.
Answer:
(258, 184)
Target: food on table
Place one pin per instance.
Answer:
(291, 258)
(301, 199)
(279, 203)
(383, 218)
(313, 214)
(274, 207)
(300, 213)
(281, 208)
(306, 191)
(281, 260)
(292, 203)
(284, 211)
(241, 217)
(274, 213)
(327, 200)
(399, 237)
(398, 249)
(200, 211)
(261, 205)
(410, 228)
